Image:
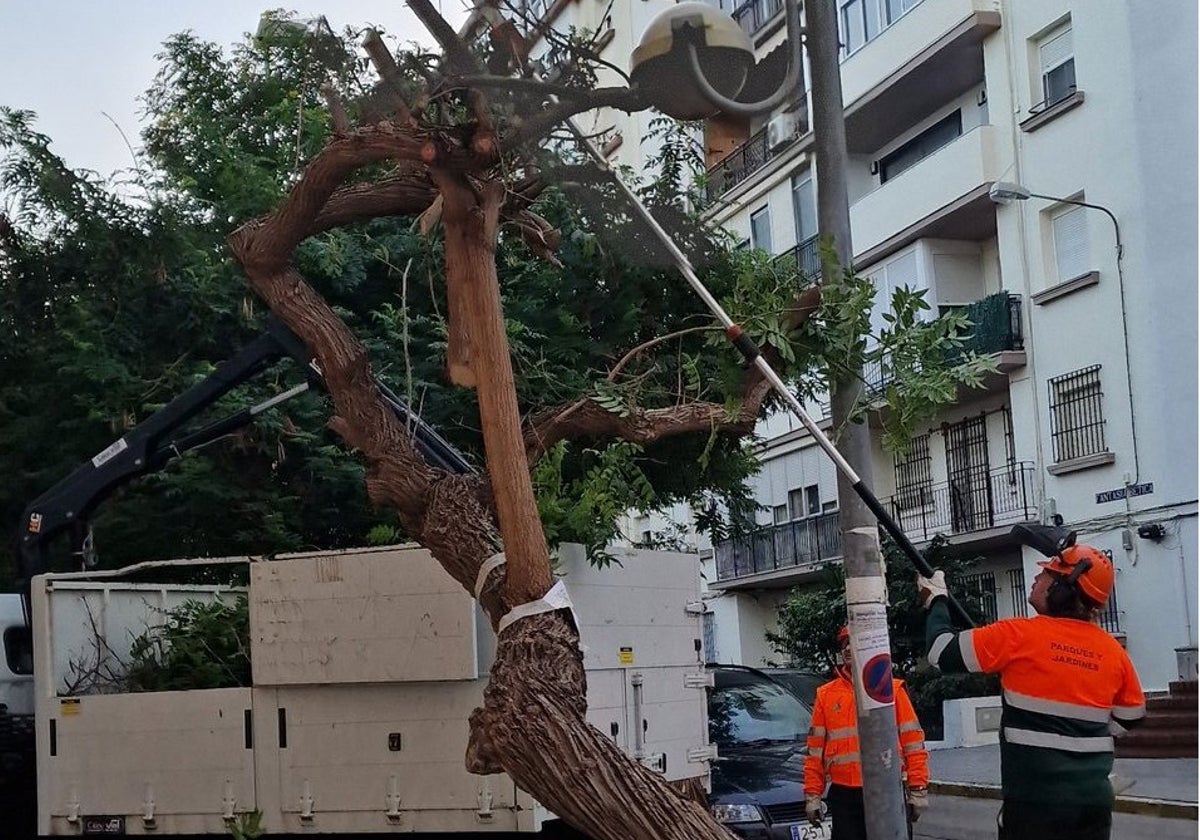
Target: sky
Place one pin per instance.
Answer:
(74, 61)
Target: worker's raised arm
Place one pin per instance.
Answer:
(987, 649)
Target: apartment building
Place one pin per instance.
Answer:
(1080, 280)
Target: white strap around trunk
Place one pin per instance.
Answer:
(489, 565)
(556, 599)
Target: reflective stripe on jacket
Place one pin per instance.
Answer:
(1067, 686)
(833, 738)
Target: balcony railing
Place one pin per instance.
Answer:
(745, 160)
(805, 258)
(995, 328)
(754, 14)
(976, 502)
(996, 324)
(803, 544)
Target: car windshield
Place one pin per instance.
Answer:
(745, 709)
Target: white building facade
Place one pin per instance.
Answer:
(1092, 413)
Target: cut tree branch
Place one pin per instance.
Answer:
(587, 419)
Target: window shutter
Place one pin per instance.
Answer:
(1056, 49)
(1070, 243)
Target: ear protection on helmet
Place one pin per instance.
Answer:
(1065, 588)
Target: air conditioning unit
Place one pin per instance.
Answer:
(781, 131)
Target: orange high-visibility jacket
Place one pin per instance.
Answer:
(833, 738)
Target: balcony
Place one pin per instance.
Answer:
(996, 330)
(925, 59)
(805, 258)
(749, 158)
(944, 196)
(753, 15)
(777, 554)
(967, 507)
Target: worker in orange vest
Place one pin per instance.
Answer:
(1067, 687)
(833, 753)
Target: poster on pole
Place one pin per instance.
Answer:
(872, 655)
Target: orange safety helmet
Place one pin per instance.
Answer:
(843, 635)
(1096, 581)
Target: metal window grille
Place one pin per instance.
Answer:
(981, 591)
(1016, 590)
(971, 500)
(1077, 414)
(1110, 617)
(913, 475)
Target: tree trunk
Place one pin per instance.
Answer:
(532, 724)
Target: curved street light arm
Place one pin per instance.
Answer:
(1100, 207)
(790, 83)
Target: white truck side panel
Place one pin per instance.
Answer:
(365, 666)
(357, 752)
(173, 758)
(383, 615)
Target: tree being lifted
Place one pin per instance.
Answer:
(454, 147)
(453, 156)
(470, 162)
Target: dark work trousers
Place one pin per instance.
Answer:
(1054, 821)
(846, 811)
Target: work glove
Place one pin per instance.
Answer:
(812, 808)
(929, 588)
(918, 801)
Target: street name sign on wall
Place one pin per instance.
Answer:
(1120, 493)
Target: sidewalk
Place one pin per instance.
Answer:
(1163, 786)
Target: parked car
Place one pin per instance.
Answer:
(803, 684)
(759, 728)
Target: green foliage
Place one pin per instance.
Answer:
(199, 645)
(580, 499)
(116, 297)
(913, 365)
(247, 826)
(811, 617)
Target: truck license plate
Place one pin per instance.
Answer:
(807, 831)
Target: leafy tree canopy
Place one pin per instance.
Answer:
(117, 296)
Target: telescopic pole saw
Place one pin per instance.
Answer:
(750, 351)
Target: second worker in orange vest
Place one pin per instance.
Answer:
(833, 753)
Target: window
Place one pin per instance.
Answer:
(913, 478)
(1057, 58)
(1069, 229)
(980, 590)
(1077, 414)
(804, 206)
(853, 25)
(780, 514)
(804, 501)
(812, 498)
(920, 147)
(1110, 616)
(862, 20)
(760, 229)
(745, 708)
(18, 650)
(1016, 591)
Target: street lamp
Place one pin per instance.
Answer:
(1006, 192)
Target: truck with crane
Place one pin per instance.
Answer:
(365, 667)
